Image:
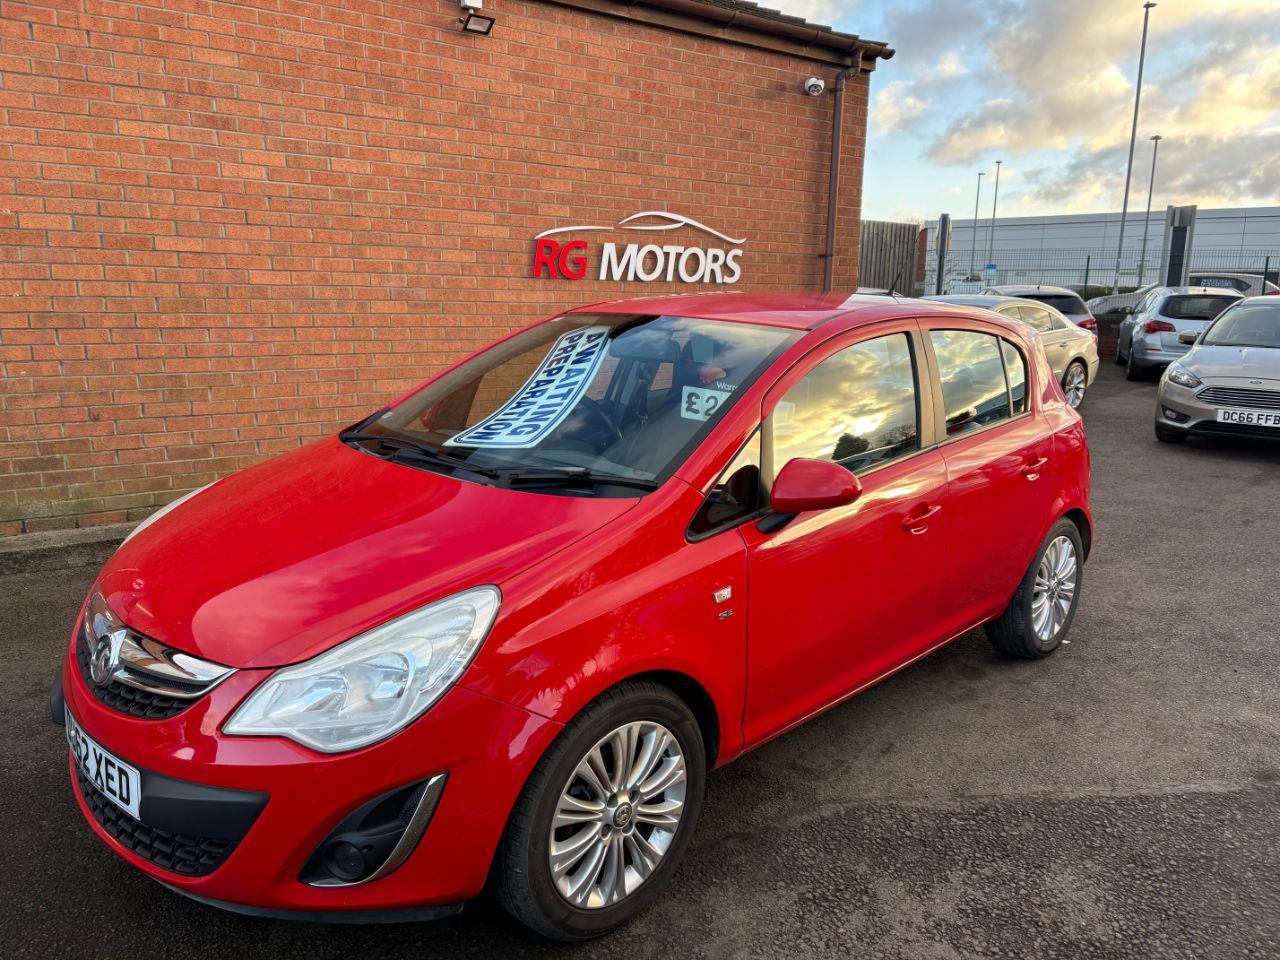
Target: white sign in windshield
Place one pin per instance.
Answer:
(546, 398)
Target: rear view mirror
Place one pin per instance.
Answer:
(812, 485)
(1125, 311)
(1188, 337)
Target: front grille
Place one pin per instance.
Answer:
(121, 697)
(181, 853)
(1212, 428)
(1241, 397)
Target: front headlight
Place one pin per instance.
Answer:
(366, 689)
(1182, 377)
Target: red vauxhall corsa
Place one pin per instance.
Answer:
(497, 632)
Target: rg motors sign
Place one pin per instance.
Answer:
(555, 259)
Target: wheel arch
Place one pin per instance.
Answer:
(696, 697)
(1081, 520)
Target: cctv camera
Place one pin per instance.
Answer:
(814, 86)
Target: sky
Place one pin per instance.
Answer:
(1047, 86)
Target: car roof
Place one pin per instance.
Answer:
(1023, 289)
(1198, 291)
(793, 311)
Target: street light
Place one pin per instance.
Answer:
(991, 239)
(973, 243)
(1133, 136)
(1146, 224)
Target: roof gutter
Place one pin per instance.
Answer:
(799, 32)
(738, 25)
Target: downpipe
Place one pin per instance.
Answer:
(833, 185)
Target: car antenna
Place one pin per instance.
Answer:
(894, 285)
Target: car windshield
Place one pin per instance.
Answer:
(1190, 307)
(1060, 301)
(1248, 325)
(581, 397)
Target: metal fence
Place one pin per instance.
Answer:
(1091, 271)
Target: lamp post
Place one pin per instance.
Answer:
(991, 238)
(973, 242)
(1146, 224)
(1133, 136)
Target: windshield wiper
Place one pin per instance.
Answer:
(572, 476)
(423, 453)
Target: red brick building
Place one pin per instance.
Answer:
(227, 228)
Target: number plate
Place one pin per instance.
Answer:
(119, 782)
(1251, 418)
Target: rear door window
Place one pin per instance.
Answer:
(1038, 317)
(975, 387)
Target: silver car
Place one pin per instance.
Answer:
(1248, 284)
(1072, 350)
(1149, 332)
(1228, 382)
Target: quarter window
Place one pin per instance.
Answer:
(857, 407)
(1015, 371)
(738, 492)
(975, 391)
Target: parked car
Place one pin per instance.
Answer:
(498, 631)
(1148, 335)
(1247, 284)
(1072, 350)
(1118, 303)
(1065, 301)
(1228, 382)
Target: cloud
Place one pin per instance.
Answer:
(1059, 80)
(815, 11)
(896, 108)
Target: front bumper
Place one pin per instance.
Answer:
(487, 748)
(1179, 408)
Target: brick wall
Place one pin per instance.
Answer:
(226, 228)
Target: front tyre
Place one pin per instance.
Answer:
(606, 815)
(1040, 614)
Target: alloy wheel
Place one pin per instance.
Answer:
(1074, 385)
(1055, 588)
(618, 814)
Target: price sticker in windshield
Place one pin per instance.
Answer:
(700, 403)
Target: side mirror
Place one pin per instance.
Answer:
(812, 485)
(1188, 337)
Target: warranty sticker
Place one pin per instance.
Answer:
(546, 398)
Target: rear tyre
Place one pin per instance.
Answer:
(1131, 370)
(1169, 434)
(606, 815)
(1075, 380)
(1040, 614)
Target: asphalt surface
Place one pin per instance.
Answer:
(1117, 800)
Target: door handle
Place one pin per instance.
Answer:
(1032, 470)
(919, 522)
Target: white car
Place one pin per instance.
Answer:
(1065, 301)
(1072, 350)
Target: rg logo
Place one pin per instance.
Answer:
(555, 260)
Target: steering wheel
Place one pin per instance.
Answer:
(601, 423)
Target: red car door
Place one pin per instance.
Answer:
(838, 597)
(997, 449)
